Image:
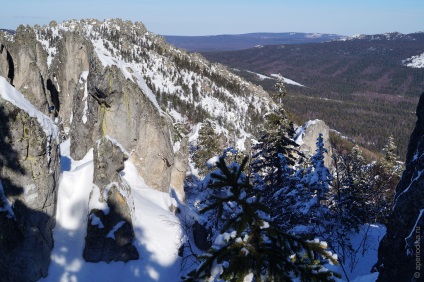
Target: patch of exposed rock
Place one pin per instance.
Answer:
(70, 61)
(24, 62)
(117, 107)
(110, 233)
(307, 138)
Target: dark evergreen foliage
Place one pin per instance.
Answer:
(250, 243)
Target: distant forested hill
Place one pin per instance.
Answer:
(364, 86)
(245, 41)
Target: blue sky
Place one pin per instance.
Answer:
(190, 17)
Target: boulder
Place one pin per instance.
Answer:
(110, 233)
(307, 139)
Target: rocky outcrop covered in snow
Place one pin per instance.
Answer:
(29, 173)
(399, 253)
(24, 62)
(307, 138)
(115, 82)
(110, 233)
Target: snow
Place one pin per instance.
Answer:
(12, 95)
(414, 180)
(367, 278)
(415, 61)
(158, 232)
(411, 236)
(107, 59)
(147, 91)
(96, 202)
(364, 261)
(83, 78)
(287, 80)
(194, 134)
(300, 131)
(7, 206)
(111, 233)
(212, 161)
(96, 221)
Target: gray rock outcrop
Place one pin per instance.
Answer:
(24, 62)
(309, 134)
(29, 172)
(70, 61)
(178, 172)
(117, 107)
(110, 233)
(399, 253)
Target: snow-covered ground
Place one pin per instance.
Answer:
(285, 80)
(365, 243)
(415, 61)
(157, 230)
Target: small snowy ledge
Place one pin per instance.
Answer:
(95, 202)
(212, 161)
(83, 79)
(114, 142)
(96, 221)
(111, 233)
(10, 94)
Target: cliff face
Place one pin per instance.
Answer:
(399, 255)
(86, 100)
(94, 82)
(29, 173)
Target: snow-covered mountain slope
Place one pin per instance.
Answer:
(186, 86)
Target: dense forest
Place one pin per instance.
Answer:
(363, 80)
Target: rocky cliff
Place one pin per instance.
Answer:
(115, 87)
(399, 255)
(29, 173)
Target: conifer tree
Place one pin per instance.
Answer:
(390, 159)
(207, 146)
(276, 142)
(318, 176)
(249, 242)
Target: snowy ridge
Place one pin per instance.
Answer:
(10, 94)
(378, 37)
(185, 85)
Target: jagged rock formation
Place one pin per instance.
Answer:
(399, 253)
(307, 138)
(23, 62)
(29, 172)
(110, 233)
(95, 80)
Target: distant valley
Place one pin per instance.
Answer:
(366, 87)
